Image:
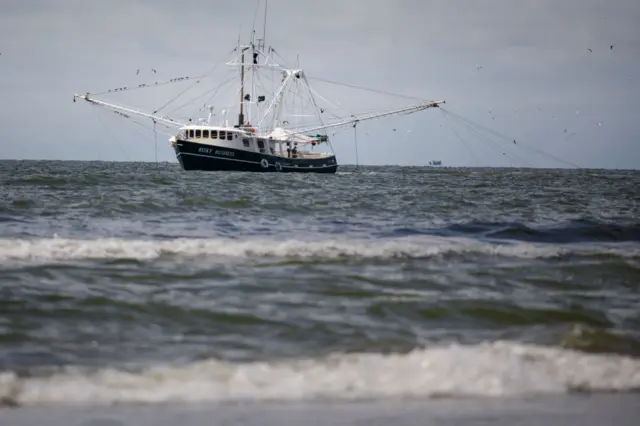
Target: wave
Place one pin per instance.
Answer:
(580, 230)
(422, 246)
(499, 369)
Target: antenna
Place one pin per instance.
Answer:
(255, 17)
(264, 27)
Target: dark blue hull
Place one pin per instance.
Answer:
(197, 156)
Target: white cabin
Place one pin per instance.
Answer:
(245, 138)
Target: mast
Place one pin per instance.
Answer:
(241, 115)
(264, 27)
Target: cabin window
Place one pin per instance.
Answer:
(246, 143)
(205, 134)
(229, 136)
(260, 144)
(223, 134)
(198, 133)
(214, 134)
(191, 133)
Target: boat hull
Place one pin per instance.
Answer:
(197, 156)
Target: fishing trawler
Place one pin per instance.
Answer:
(263, 138)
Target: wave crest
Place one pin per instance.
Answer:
(59, 249)
(487, 370)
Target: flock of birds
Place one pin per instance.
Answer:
(569, 135)
(152, 70)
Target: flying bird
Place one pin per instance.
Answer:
(138, 71)
(479, 67)
(589, 49)
(154, 71)
(611, 47)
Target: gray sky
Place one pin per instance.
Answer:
(537, 77)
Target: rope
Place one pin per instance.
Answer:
(365, 88)
(215, 90)
(108, 131)
(355, 139)
(460, 138)
(500, 135)
(161, 83)
(481, 136)
(155, 141)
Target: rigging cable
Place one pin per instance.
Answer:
(365, 88)
(155, 140)
(500, 135)
(504, 150)
(110, 133)
(447, 118)
(355, 139)
(215, 90)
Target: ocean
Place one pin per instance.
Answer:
(138, 293)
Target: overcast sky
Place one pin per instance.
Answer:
(537, 77)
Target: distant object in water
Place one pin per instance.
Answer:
(261, 139)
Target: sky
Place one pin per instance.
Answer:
(518, 68)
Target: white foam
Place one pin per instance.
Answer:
(487, 370)
(59, 249)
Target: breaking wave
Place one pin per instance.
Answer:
(499, 369)
(60, 249)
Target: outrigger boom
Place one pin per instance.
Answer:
(129, 110)
(409, 109)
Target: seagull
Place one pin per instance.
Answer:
(514, 141)
(589, 49)
(138, 71)
(154, 71)
(479, 67)
(611, 47)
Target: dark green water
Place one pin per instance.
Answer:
(142, 282)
